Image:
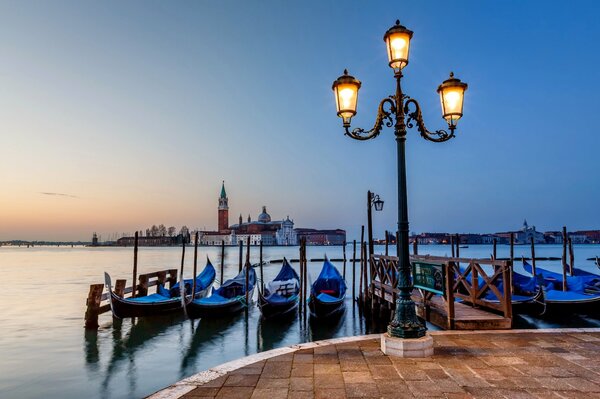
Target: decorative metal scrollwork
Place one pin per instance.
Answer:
(383, 116)
(415, 117)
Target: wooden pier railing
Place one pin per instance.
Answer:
(97, 301)
(469, 280)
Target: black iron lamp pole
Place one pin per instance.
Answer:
(401, 112)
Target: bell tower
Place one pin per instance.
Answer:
(223, 211)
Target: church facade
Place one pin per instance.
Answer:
(262, 230)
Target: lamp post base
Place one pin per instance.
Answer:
(399, 347)
(406, 324)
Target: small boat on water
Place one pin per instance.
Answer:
(164, 301)
(281, 295)
(327, 293)
(527, 295)
(228, 299)
(582, 294)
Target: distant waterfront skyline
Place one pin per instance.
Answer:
(116, 116)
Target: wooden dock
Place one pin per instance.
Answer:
(460, 303)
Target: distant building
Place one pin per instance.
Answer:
(95, 240)
(150, 241)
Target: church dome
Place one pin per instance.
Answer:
(264, 217)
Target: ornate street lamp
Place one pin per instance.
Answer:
(401, 112)
(373, 200)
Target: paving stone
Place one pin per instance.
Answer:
(361, 390)
(302, 370)
(235, 393)
(270, 393)
(273, 383)
(241, 380)
(301, 384)
(330, 393)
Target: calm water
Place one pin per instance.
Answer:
(45, 351)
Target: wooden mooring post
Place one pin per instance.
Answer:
(344, 252)
(387, 243)
(415, 247)
(135, 256)
(182, 260)
(495, 244)
(533, 256)
(241, 256)
(222, 261)
(571, 258)
(260, 260)
(195, 269)
(354, 270)
(93, 306)
(564, 258)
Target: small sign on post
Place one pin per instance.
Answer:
(429, 277)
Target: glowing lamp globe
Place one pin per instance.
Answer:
(452, 95)
(345, 89)
(397, 40)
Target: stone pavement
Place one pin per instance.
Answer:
(511, 364)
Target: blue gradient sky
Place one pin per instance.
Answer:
(138, 110)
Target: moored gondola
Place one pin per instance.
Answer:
(164, 301)
(581, 296)
(229, 298)
(327, 293)
(281, 295)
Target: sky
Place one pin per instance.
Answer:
(118, 115)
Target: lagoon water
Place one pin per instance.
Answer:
(46, 352)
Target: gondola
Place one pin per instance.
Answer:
(582, 294)
(527, 295)
(327, 293)
(229, 298)
(164, 301)
(281, 295)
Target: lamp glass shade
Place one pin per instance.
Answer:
(397, 41)
(378, 205)
(398, 45)
(452, 94)
(345, 90)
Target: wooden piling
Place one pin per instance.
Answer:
(494, 253)
(571, 258)
(360, 283)
(354, 270)
(195, 269)
(241, 256)
(93, 306)
(369, 224)
(248, 251)
(533, 256)
(344, 269)
(260, 260)
(452, 245)
(120, 287)
(512, 248)
(247, 267)
(135, 256)
(366, 293)
(143, 285)
(564, 258)
(415, 246)
(182, 260)
(222, 260)
(457, 240)
(387, 243)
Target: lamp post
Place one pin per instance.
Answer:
(373, 200)
(401, 112)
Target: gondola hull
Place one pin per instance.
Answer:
(123, 308)
(320, 309)
(197, 309)
(272, 310)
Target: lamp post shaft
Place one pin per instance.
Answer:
(405, 323)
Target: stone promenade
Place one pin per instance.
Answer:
(510, 364)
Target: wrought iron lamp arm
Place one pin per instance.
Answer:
(383, 116)
(416, 117)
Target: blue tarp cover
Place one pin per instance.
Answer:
(329, 279)
(575, 284)
(154, 298)
(203, 281)
(286, 273)
(231, 289)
